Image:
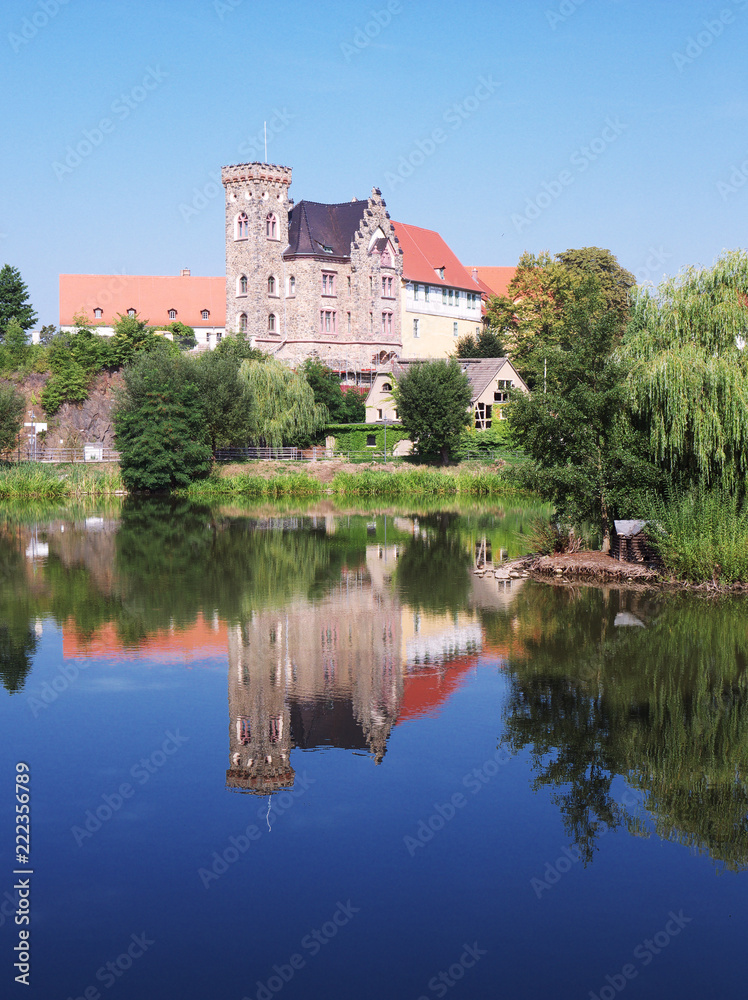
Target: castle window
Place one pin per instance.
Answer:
(451, 297)
(349, 282)
(327, 321)
(241, 285)
(454, 329)
(444, 296)
(291, 285)
(205, 314)
(98, 313)
(426, 290)
(172, 314)
(328, 283)
(272, 327)
(386, 323)
(271, 226)
(371, 285)
(416, 325)
(387, 287)
(349, 322)
(243, 323)
(271, 285)
(416, 292)
(130, 311)
(241, 231)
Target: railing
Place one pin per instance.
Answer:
(75, 455)
(284, 454)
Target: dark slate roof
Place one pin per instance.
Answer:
(480, 371)
(313, 226)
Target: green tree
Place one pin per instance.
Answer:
(131, 336)
(688, 372)
(487, 344)
(47, 334)
(432, 402)
(574, 425)
(282, 406)
(530, 319)
(225, 401)
(238, 346)
(159, 422)
(14, 300)
(184, 336)
(12, 407)
(344, 407)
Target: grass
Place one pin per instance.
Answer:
(702, 536)
(420, 483)
(58, 482)
(296, 484)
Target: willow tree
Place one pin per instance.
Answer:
(688, 371)
(282, 407)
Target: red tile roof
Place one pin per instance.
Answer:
(152, 296)
(496, 279)
(424, 251)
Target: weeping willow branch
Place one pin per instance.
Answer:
(282, 403)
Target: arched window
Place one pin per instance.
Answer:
(172, 314)
(241, 285)
(271, 285)
(291, 285)
(242, 226)
(271, 323)
(205, 314)
(271, 226)
(243, 323)
(98, 313)
(131, 311)
(386, 387)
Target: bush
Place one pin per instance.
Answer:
(159, 423)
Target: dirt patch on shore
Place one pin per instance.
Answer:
(594, 565)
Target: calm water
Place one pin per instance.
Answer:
(318, 755)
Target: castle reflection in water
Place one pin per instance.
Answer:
(343, 670)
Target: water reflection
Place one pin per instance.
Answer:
(650, 687)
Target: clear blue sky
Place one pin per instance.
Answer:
(612, 123)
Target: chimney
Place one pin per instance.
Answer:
(475, 275)
(185, 272)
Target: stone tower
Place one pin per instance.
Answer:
(257, 208)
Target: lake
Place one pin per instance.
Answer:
(276, 751)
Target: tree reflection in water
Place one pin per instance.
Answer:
(595, 696)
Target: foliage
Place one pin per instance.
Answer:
(282, 407)
(32, 480)
(47, 333)
(531, 317)
(224, 398)
(74, 359)
(14, 300)
(354, 436)
(688, 372)
(184, 336)
(131, 336)
(296, 484)
(487, 344)
(576, 431)
(12, 407)
(343, 407)
(432, 401)
(238, 347)
(484, 443)
(159, 422)
(702, 535)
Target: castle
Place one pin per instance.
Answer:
(311, 278)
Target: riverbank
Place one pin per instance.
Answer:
(34, 481)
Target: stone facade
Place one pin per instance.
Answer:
(311, 279)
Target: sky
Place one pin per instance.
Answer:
(505, 126)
